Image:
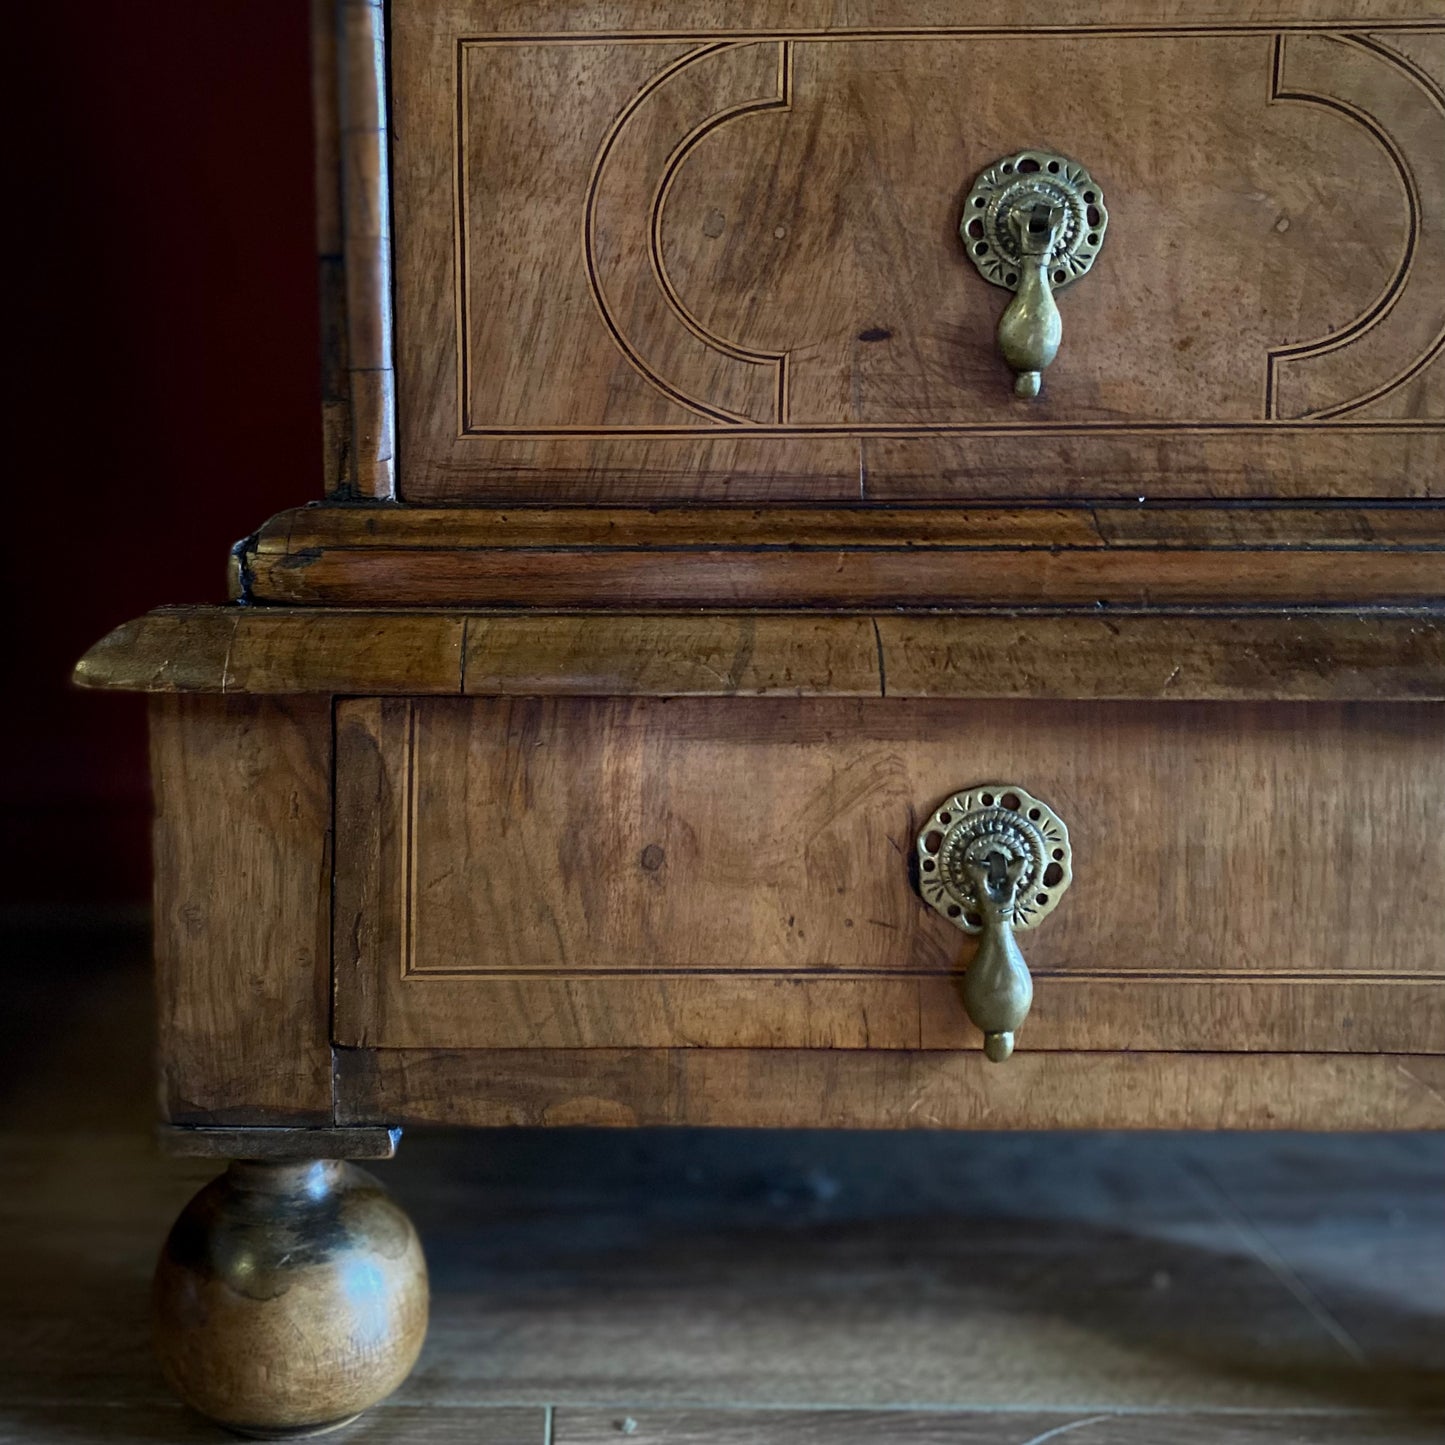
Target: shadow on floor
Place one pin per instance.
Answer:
(1275, 1273)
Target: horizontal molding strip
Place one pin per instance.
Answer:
(836, 1088)
(572, 973)
(1302, 655)
(1351, 25)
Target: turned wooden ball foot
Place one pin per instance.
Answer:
(289, 1297)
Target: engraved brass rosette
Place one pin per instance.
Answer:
(1034, 222)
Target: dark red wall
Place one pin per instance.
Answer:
(163, 280)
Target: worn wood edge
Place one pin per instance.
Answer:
(804, 655)
(181, 650)
(278, 1142)
(1206, 657)
(1396, 655)
(359, 653)
(368, 891)
(242, 842)
(823, 1088)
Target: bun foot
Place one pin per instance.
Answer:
(289, 1298)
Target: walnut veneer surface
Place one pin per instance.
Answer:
(737, 275)
(1292, 968)
(568, 873)
(650, 860)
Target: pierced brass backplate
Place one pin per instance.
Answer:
(1033, 222)
(994, 859)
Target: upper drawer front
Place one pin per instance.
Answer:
(683, 250)
(593, 872)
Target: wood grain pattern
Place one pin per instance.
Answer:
(605, 873)
(330, 249)
(1318, 656)
(1352, 527)
(1120, 556)
(770, 300)
(370, 893)
(289, 1297)
(958, 1427)
(666, 17)
(861, 578)
(248, 651)
(1311, 657)
(856, 1089)
(757, 656)
(363, 143)
(64, 1422)
(1299, 657)
(242, 929)
(361, 653)
(734, 1008)
(276, 1143)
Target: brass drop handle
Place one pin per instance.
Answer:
(995, 860)
(1033, 222)
(1030, 329)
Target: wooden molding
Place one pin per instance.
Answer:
(1096, 526)
(277, 1143)
(862, 1089)
(1131, 557)
(1301, 656)
(354, 247)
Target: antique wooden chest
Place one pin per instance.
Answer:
(814, 492)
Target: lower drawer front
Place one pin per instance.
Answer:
(736, 873)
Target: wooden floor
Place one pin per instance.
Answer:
(735, 1289)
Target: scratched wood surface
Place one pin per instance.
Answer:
(242, 845)
(739, 276)
(559, 873)
(726, 1286)
(874, 1089)
(1309, 656)
(1027, 1427)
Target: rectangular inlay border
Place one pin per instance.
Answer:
(1352, 30)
